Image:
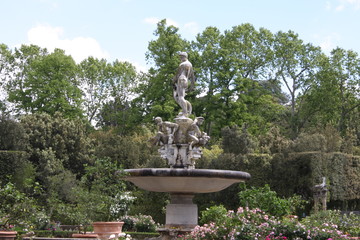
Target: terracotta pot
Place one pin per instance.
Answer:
(108, 230)
(7, 235)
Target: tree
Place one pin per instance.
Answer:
(295, 66)
(120, 110)
(334, 95)
(12, 135)
(16, 70)
(207, 47)
(56, 143)
(49, 85)
(94, 79)
(232, 69)
(6, 60)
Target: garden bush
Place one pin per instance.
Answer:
(267, 200)
(139, 223)
(347, 223)
(250, 224)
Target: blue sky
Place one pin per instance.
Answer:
(121, 29)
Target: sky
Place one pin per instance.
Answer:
(122, 29)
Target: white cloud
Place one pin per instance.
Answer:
(328, 6)
(353, 4)
(52, 37)
(329, 42)
(155, 20)
(152, 20)
(339, 8)
(192, 27)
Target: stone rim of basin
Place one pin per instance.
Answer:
(188, 181)
(180, 172)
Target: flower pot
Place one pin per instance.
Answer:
(7, 235)
(108, 230)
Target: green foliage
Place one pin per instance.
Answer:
(139, 223)
(267, 200)
(295, 64)
(12, 134)
(157, 91)
(14, 165)
(348, 223)
(237, 141)
(156, 209)
(104, 182)
(94, 78)
(213, 214)
(56, 142)
(248, 224)
(273, 142)
(16, 208)
(144, 223)
(131, 150)
(49, 86)
(310, 143)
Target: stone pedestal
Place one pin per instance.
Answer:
(320, 198)
(181, 212)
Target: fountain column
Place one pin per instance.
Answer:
(181, 212)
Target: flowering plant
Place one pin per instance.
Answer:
(246, 224)
(16, 208)
(4, 223)
(139, 223)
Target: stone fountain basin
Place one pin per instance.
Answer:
(175, 180)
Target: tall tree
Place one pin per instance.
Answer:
(5, 70)
(94, 80)
(49, 85)
(207, 47)
(119, 108)
(17, 69)
(295, 65)
(334, 96)
(232, 66)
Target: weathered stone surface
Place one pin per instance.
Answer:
(184, 180)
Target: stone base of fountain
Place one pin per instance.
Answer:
(181, 212)
(182, 184)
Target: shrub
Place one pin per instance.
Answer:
(270, 202)
(213, 214)
(139, 223)
(249, 224)
(144, 223)
(348, 223)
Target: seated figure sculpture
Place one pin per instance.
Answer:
(166, 130)
(196, 136)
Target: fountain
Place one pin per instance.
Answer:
(180, 144)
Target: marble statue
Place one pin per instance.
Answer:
(166, 130)
(320, 196)
(196, 136)
(181, 80)
(181, 141)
